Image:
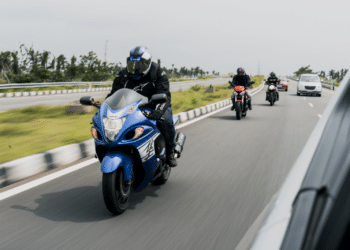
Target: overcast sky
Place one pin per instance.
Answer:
(218, 35)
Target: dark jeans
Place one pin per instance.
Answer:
(167, 128)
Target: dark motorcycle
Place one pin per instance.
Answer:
(271, 94)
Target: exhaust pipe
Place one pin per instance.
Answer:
(180, 141)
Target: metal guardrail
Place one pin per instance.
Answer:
(50, 84)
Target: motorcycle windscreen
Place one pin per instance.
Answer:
(124, 97)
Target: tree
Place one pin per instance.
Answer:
(303, 70)
(5, 60)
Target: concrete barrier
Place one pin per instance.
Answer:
(191, 114)
(197, 112)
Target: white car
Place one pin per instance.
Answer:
(309, 84)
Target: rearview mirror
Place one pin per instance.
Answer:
(229, 82)
(86, 100)
(159, 98)
(265, 80)
(252, 82)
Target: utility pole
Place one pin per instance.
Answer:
(106, 50)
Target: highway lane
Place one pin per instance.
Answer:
(61, 99)
(227, 173)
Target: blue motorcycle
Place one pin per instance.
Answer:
(129, 146)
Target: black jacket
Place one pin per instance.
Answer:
(241, 81)
(273, 80)
(155, 82)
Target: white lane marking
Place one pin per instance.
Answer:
(71, 169)
(304, 98)
(311, 104)
(319, 115)
(45, 179)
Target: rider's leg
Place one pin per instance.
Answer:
(250, 100)
(233, 100)
(278, 94)
(167, 129)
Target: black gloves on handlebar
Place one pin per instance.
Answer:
(159, 111)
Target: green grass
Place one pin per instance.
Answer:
(32, 130)
(37, 129)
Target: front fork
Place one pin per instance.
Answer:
(244, 98)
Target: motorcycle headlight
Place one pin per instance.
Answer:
(112, 127)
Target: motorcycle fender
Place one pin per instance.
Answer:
(114, 160)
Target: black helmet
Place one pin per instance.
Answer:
(240, 72)
(139, 61)
(273, 74)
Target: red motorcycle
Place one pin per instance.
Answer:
(241, 101)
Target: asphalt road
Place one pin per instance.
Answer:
(227, 173)
(61, 99)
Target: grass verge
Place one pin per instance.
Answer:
(36, 129)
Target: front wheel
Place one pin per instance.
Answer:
(116, 193)
(286, 89)
(238, 111)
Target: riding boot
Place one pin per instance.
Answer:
(170, 156)
(250, 105)
(233, 105)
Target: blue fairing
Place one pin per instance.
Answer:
(143, 146)
(175, 119)
(113, 160)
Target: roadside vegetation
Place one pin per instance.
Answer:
(30, 66)
(32, 130)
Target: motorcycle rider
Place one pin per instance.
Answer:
(272, 79)
(147, 78)
(241, 79)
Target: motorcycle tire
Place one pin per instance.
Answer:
(116, 194)
(164, 177)
(238, 111)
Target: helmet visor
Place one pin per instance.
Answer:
(137, 66)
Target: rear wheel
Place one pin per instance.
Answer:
(286, 89)
(116, 194)
(272, 100)
(298, 93)
(164, 177)
(238, 111)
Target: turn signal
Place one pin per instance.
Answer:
(94, 132)
(138, 132)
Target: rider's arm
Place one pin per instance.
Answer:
(234, 81)
(248, 82)
(118, 82)
(162, 84)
